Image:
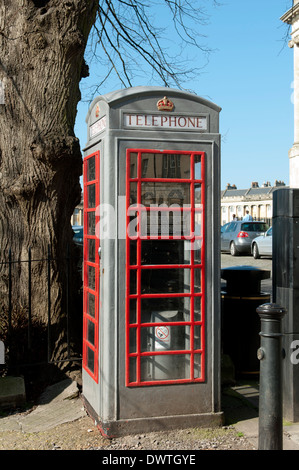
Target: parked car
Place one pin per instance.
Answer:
(262, 246)
(237, 236)
(78, 234)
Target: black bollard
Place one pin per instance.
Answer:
(270, 397)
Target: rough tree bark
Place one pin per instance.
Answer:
(42, 44)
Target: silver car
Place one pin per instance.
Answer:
(236, 237)
(262, 246)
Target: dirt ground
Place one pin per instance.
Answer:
(83, 434)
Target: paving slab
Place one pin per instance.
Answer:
(250, 427)
(60, 403)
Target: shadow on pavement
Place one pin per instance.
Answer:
(236, 407)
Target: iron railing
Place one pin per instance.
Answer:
(9, 340)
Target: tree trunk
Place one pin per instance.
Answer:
(42, 45)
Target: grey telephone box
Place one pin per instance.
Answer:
(151, 320)
(286, 290)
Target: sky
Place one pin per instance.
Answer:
(249, 75)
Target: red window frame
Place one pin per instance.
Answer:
(91, 319)
(138, 325)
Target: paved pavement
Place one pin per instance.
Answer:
(60, 403)
(249, 427)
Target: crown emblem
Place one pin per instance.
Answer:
(97, 112)
(165, 104)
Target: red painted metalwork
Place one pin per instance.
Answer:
(91, 193)
(137, 327)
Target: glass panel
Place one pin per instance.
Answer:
(91, 169)
(132, 366)
(133, 311)
(154, 281)
(170, 222)
(186, 223)
(144, 167)
(91, 304)
(133, 281)
(197, 366)
(91, 277)
(165, 193)
(196, 246)
(133, 165)
(133, 225)
(197, 308)
(166, 367)
(90, 332)
(165, 337)
(133, 252)
(91, 223)
(198, 223)
(133, 342)
(164, 252)
(155, 165)
(164, 310)
(197, 280)
(133, 193)
(197, 337)
(91, 249)
(90, 359)
(197, 167)
(91, 195)
(197, 195)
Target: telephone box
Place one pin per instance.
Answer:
(151, 320)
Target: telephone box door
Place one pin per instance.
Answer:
(165, 261)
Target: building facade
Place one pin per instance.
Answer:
(256, 199)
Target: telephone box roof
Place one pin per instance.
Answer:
(126, 94)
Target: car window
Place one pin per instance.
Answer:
(269, 233)
(255, 227)
(262, 227)
(78, 233)
(246, 227)
(224, 227)
(231, 227)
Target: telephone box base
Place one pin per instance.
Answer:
(124, 427)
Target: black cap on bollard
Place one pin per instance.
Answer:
(271, 311)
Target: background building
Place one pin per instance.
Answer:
(256, 199)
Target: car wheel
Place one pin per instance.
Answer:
(255, 251)
(233, 249)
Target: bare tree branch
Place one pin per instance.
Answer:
(132, 35)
